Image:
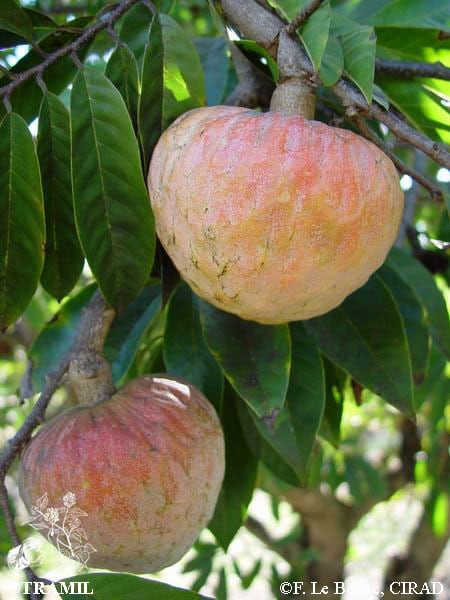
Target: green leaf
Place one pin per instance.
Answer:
(134, 30)
(221, 591)
(13, 18)
(358, 43)
(335, 383)
(292, 433)
(332, 65)
(240, 476)
(150, 107)
(185, 351)
(320, 36)
(422, 106)
(434, 376)
(172, 80)
(288, 9)
(27, 98)
(122, 342)
(255, 358)
(365, 336)
(248, 578)
(412, 44)
(380, 97)
(63, 255)
(262, 449)
(121, 586)
(41, 23)
(5, 545)
(10, 40)
(201, 564)
(213, 53)
(112, 208)
(440, 514)
(135, 27)
(122, 71)
(56, 337)
(129, 327)
(254, 52)
(424, 286)
(315, 33)
(414, 320)
(423, 14)
(422, 45)
(22, 228)
(447, 202)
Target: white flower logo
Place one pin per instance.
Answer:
(69, 500)
(62, 526)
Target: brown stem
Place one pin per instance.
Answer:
(425, 548)
(70, 49)
(88, 371)
(35, 418)
(328, 524)
(433, 189)
(302, 16)
(352, 99)
(407, 70)
(294, 94)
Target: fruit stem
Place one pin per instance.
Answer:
(89, 373)
(294, 94)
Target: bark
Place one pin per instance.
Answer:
(418, 565)
(327, 524)
(294, 94)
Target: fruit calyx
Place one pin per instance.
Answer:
(88, 372)
(294, 94)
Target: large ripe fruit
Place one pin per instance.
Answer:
(274, 218)
(145, 465)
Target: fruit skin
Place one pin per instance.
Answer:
(274, 218)
(146, 466)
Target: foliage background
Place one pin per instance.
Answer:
(345, 384)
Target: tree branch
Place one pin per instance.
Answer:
(302, 16)
(433, 189)
(253, 21)
(407, 70)
(425, 548)
(70, 49)
(295, 93)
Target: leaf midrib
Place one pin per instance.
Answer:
(371, 352)
(102, 183)
(5, 269)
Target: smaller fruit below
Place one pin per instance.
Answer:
(145, 465)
